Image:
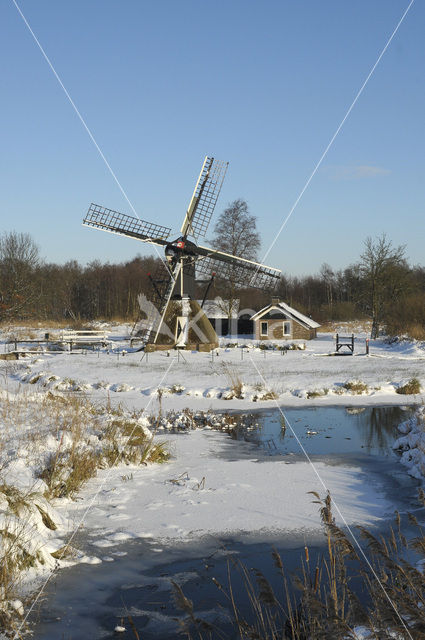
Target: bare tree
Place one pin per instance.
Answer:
(236, 233)
(384, 273)
(19, 258)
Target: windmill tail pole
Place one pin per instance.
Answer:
(207, 290)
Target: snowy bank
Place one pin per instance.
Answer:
(239, 375)
(412, 444)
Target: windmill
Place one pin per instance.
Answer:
(175, 319)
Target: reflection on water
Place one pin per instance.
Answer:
(379, 428)
(327, 430)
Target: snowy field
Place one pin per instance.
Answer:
(208, 381)
(198, 492)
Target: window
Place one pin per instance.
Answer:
(264, 328)
(286, 328)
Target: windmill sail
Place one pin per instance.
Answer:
(241, 271)
(204, 198)
(122, 224)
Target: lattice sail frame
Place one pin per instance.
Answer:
(204, 198)
(122, 224)
(240, 271)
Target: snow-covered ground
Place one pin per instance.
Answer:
(208, 380)
(199, 492)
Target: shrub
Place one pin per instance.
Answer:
(356, 387)
(411, 387)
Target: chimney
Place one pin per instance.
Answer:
(275, 300)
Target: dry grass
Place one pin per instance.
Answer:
(67, 471)
(356, 387)
(9, 578)
(416, 331)
(127, 442)
(17, 552)
(235, 382)
(411, 387)
(349, 326)
(69, 441)
(18, 333)
(269, 395)
(90, 438)
(317, 393)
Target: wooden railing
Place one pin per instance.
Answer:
(345, 341)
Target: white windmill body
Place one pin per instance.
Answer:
(174, 318)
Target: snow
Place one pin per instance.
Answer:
(199, 491)
(291, 313)
(412, 444)
(204, 380)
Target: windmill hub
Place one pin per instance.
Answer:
(180, 248)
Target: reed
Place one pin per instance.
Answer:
(318, 602)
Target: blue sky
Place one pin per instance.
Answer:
(262, 85)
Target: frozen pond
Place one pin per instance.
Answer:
(88, 601)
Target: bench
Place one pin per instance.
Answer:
(84, 337)
(344, 341)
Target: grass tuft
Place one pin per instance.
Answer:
(317, 393)
(411, 387)
(356, 387)
(235, 382)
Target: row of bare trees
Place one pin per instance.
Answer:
(380, 286)
(32, 288)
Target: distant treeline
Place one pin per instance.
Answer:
(347, 295)
(381, 286)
